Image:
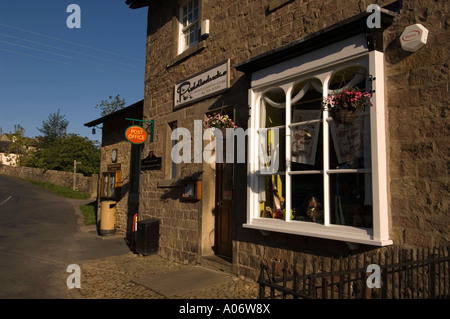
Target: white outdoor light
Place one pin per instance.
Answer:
(414, 37)
(205, 29)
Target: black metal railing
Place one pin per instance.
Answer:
(386, 274)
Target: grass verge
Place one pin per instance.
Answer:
(89, 212)
(60, 190)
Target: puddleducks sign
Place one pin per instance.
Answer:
(205, 84)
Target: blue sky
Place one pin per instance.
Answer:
(46, 66)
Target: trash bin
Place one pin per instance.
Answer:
(147, 236)
(108, 218)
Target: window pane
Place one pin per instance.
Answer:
(306, 144)
(105, 185)
(193, 34)
(189, 13)
(186, 39)
(353, 76)
(272, 197)
(184, 16)
(272, 149)
(351, 200)
(307, 198)
(195, 14)
(112, 185)
(273, 142)
(350, 144)
(350, 147)
(273, 111)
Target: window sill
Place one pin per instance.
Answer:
(334, 232)
(169, 183)
(186, 54)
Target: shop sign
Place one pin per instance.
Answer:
(114, 167)
(151, 162)
(203, 85)
(136, 134)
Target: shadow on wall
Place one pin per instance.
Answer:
(175, 190)
(394, 52)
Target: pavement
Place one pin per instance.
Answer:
(134, 276)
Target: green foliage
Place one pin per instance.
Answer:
(60, 154)
(20, 145)
(89, 212)
(111, 106)
(55, 127)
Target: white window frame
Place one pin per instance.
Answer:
(182, 45)
(321, 63)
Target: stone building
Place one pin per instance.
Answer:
(324, 188)
(119, 166)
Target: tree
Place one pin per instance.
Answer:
(55, 127)
(111, 106)
(19, 146)
(63, 151)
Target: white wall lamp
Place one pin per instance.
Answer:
(205, 29)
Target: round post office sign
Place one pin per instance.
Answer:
(136, 134)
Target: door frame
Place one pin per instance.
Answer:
(223, 206)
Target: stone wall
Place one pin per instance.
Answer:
(160, 196)
(86, 184)
(417, 86)
(417, 120)
(123, 150)
(113, 137)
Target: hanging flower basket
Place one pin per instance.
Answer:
(343, 116)
(345, 106)
(220, 121)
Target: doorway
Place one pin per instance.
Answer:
(224, 209)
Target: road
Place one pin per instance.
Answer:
(40, 236)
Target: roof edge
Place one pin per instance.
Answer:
(136, 4)
(114, 114)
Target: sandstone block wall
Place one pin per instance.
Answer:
(86, 184)
(113, 137)
(418, 128)
(417, 117)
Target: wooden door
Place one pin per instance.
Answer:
(224, 209)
